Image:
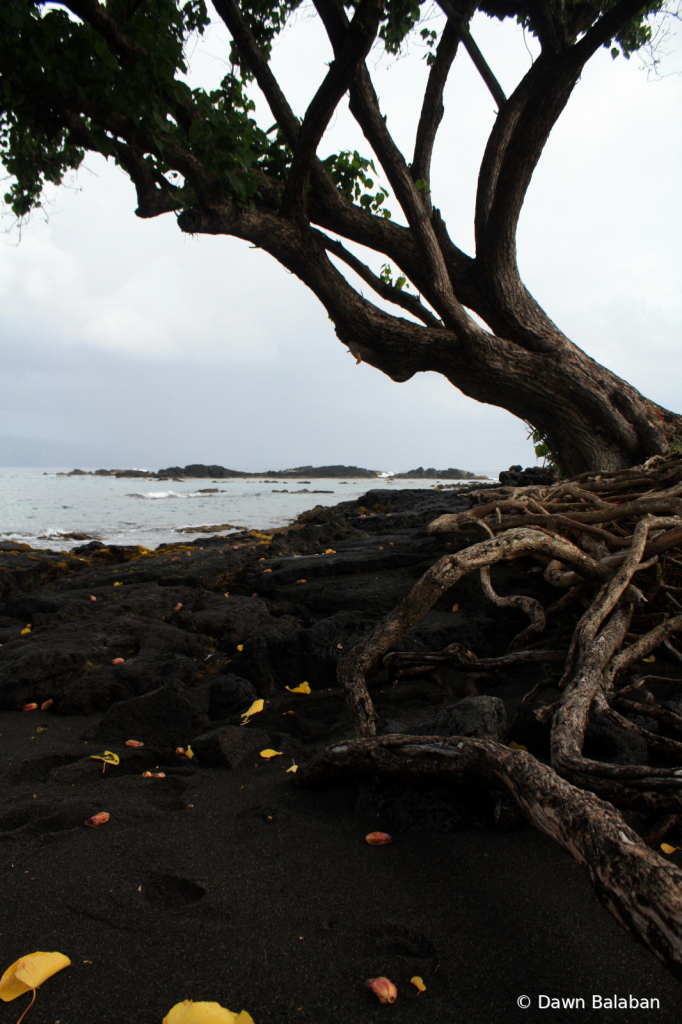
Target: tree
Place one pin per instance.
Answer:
(79, 75)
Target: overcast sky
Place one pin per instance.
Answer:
(123, 342)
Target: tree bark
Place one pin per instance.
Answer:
(594, 419)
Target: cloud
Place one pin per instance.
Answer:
(137, 411)
(213, 299)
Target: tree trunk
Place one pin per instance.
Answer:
(592, 418)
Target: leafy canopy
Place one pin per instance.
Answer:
(76, 75)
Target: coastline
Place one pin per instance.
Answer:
(233, 883)
(61, 512)
(199, 471)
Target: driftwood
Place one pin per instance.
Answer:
(595, 537)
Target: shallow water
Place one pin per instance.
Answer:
(40, 508)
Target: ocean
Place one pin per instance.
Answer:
(47, 510)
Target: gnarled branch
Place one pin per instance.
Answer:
(639, 888)
(432, 105)
(387, 291)
(350, 54)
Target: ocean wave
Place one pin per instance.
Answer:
(49, 534)
(17, 538)
(67, 535)
(77, 536)
(159, 495)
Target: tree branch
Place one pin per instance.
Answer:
(153, 196)
(230, 13)
(398, 244)
(472, 49)
(511, 155)
(636, 885)
(514, 148)
(351, 53)
(364, 106)
(483, 366)
(387, 291)
(605, 29)
(92, 13)
(481, 65)
(432, 105)
(253, 57)
(127, 133)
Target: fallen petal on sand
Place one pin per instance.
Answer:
(378, 839)
(303, 688)
(257, 706)
(189, 1012)
(108, 757)
(29, 972)
(383, 989)
(97, 819)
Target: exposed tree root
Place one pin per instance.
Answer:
(641, 889)
(557, 526)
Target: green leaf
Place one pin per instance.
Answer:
(162, 122)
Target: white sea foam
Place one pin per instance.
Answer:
(160, 495)
(157, 495)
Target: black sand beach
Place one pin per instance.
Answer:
(237, 884)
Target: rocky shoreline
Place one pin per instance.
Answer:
(237, 885)
(199, 471)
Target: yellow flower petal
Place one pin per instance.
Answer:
(240, 647)
(268, 753)
(189, 1012)
(303, 688)
(294, 767)
(27, 630)
(108, 757)
(117, 584)
(668, 849)
(517, 746)
(418, 983)
(650, 658)
(257, 706)
(29, 972)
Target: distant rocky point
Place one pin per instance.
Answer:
(218, 472)
(439, 474)
(197, 471)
